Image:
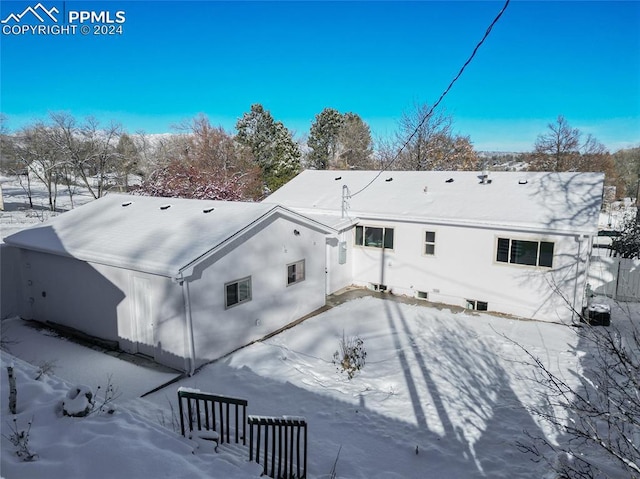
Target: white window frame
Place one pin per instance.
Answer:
(509, 260)
(476, 305)
(364, 235)
(238, 282)
(299, 273)
(426, 243)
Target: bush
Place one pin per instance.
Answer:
(351, 355)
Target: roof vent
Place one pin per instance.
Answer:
(522, 182)
(165, 207)
(389, 179)
(127, 203)
(484, 178)
(450, 180)
(208, 210)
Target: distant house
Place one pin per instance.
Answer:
(182, 281)
(515, 243)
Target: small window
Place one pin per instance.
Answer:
(374, 237)
(422, 295)
(430, 243)
(237, 292)
(477, 305)
(295, 272)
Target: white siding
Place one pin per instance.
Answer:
(464, 267)
(263, 256)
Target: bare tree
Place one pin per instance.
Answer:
(38, 156)
(627, 164)
(89, 147)
(558, 149)
(431, 143)
(600, 416)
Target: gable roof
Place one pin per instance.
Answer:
(554, 202)
(156, 235)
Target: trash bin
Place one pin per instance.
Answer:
(599, 314)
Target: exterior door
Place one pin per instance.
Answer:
(142, 317)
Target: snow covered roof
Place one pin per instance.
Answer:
(560, 202)
(156, 235)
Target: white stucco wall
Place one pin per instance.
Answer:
(464, 267)
(264, 256)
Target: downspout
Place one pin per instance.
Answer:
(575, 286)
(190, 345)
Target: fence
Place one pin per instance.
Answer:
(282, 440)
(287, 456)
(200, 411)
(615, 277)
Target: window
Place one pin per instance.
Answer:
(295, 272)
(531, 253)
(477, 305)
(430, 243)
(237, 292)
(375, 237)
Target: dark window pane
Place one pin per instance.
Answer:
(388, 238)
(373, 237)
(359, 235)
(482, 306)
(291, 274)
(430, 237)
(524, 252)
(232, 294)
(546, 254)
(503, 250)
(429, 249)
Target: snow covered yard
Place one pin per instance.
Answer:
(18, 215)
(442, 394)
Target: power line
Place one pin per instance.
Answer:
(435, 105)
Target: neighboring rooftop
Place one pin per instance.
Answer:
(563, 202)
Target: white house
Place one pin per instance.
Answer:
(515, 243)
(182, 281)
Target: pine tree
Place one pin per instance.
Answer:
(324, 138)
(271, 145)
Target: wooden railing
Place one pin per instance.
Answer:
(283, 444)
(199, 411)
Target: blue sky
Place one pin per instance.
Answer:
(174, 60)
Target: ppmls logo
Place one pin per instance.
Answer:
(39, 12)
(40, 20)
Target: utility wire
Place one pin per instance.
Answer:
(435, 105)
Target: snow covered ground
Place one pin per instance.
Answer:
(17, 213)
(443, 394)
(448, 385)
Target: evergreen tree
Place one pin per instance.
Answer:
(354, 139)
(324, 137)
(271, 145)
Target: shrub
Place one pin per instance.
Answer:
(351, 355)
